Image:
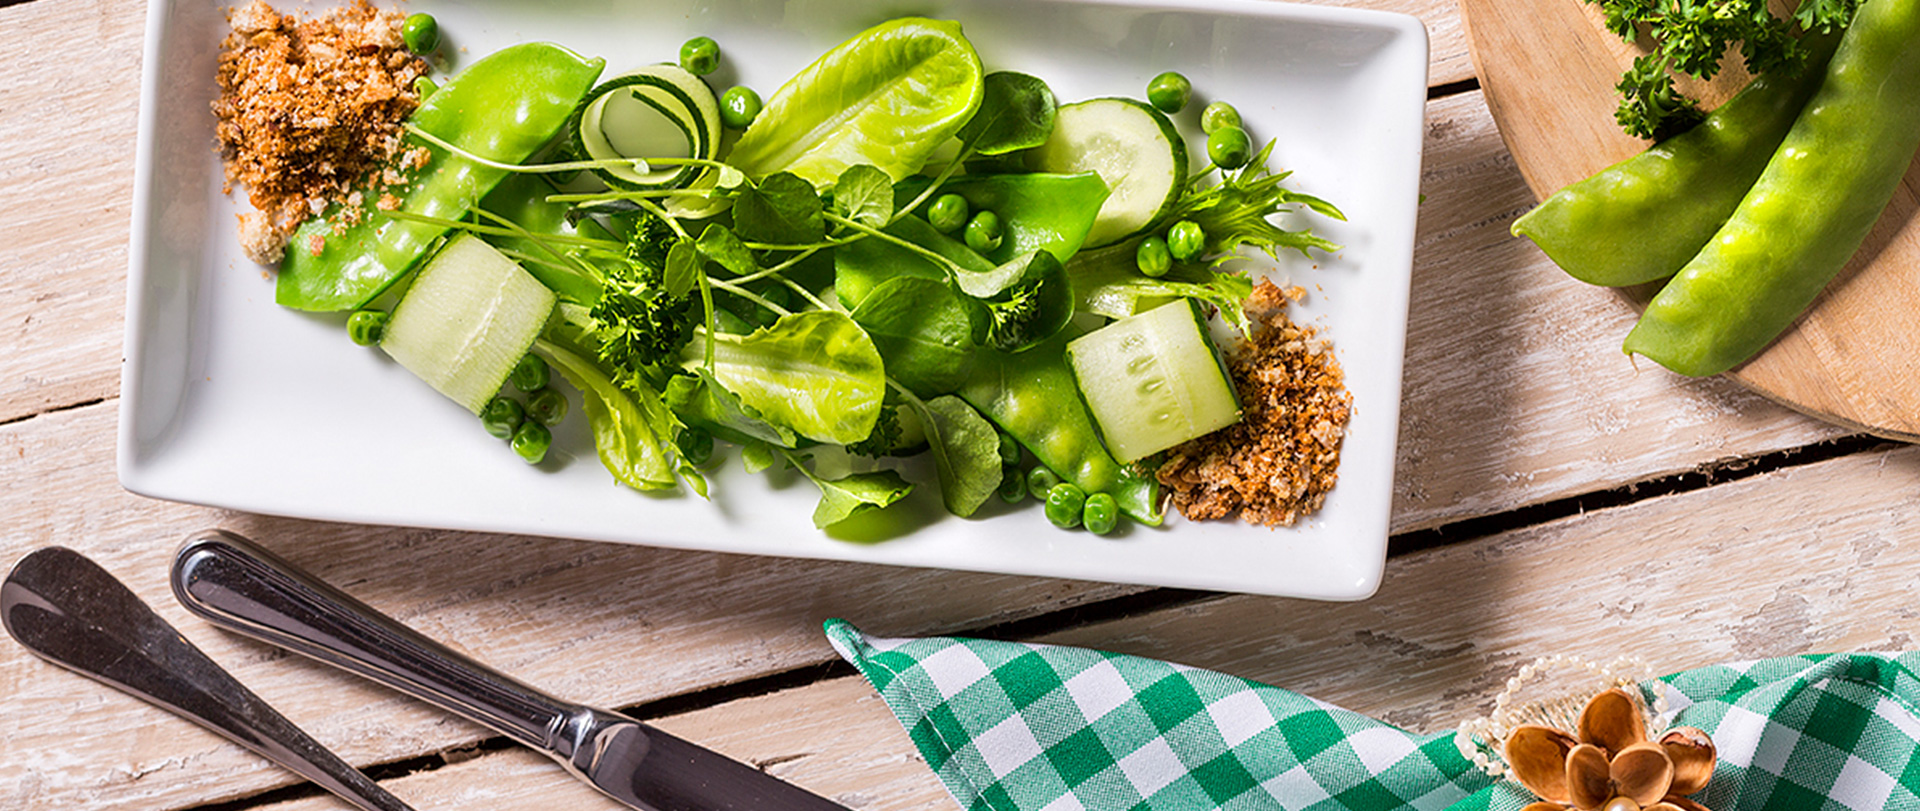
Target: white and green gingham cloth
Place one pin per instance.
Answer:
(1012, 726)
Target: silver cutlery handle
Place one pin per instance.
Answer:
(67, 609)
(236, 584)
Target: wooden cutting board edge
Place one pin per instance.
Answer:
(1784, 364)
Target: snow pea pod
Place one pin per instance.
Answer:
(1032, 396)
(504, 107)
(1809, 211)
(1643, 218)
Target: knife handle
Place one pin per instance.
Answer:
(240, 586)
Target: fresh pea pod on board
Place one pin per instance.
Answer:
(1644, 218)
(504, 107)
(1032, 396)
(1809, 211)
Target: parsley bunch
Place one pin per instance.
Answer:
(1691, 37)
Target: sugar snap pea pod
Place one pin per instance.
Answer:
(1643, 218)
(1032, 396)
(1809, 211)
(504, 107)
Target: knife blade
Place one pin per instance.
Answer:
(238, 585)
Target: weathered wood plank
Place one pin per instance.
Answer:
(606, 624)
(1812, 559)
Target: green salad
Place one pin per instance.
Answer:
(896, 253)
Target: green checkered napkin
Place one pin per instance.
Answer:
(1013, 726)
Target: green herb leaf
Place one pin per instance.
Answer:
(864, 195)
(683, 263)
(966, 449)
(922, 331)
(719, 244)
(630, 424)
(756, 456)
(700, 400)
(1016, 112)
(851, 495)
(782, 209)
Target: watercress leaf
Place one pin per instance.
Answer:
(966, 449)
(886, 97)
(851, 495)
(923, 333)
(683, 262)
(782, 209)
(756, 456)
(700, 400)
(864, 195)
(721, 245)
(1020, 303)
(816, 373)
(1016, 112)
(629, 423)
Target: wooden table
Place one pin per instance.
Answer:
(1550, 498)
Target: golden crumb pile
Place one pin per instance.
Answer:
(1280, 461)
(306, 109)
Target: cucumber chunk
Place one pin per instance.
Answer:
(1133, 147)
(1153, 380)
(471, 314)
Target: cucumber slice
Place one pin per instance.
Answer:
(1153, 380)
(1133, 147)
(470, 315)
(659, 111)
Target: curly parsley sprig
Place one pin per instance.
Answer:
(1691, 37)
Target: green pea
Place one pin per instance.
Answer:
(547, 406)
(530, 374)
(502, 417)
(1229, 147)
(948, 213)
(1040, 480)
(983, 231)
(1009, 451)
(700, 55)
(739, 106)
(695, 444)
(531, 440)
(1218, 114)
(1169, 92)
(366, 327)
(1152, 257)
(1066, 503)
(421, 33)
(1013, 485)
(1186, 241)
(1101, 513)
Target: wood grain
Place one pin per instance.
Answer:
(1548, 68)
(1680, 581)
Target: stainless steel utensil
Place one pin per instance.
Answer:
(70, 611)
(237, 585)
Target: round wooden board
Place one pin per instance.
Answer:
(1548, 69)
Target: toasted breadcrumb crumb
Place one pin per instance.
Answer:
(1282, 459)
(306, 108)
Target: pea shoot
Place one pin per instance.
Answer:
(1169, 92)
(420, 33)
(700, 56)
(367, 327)
(984, 231)
(739, 106)
(1152, 257)
(531, 441)
(1229, 147)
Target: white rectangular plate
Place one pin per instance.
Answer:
(233, 401)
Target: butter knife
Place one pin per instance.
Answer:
(237, 585)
